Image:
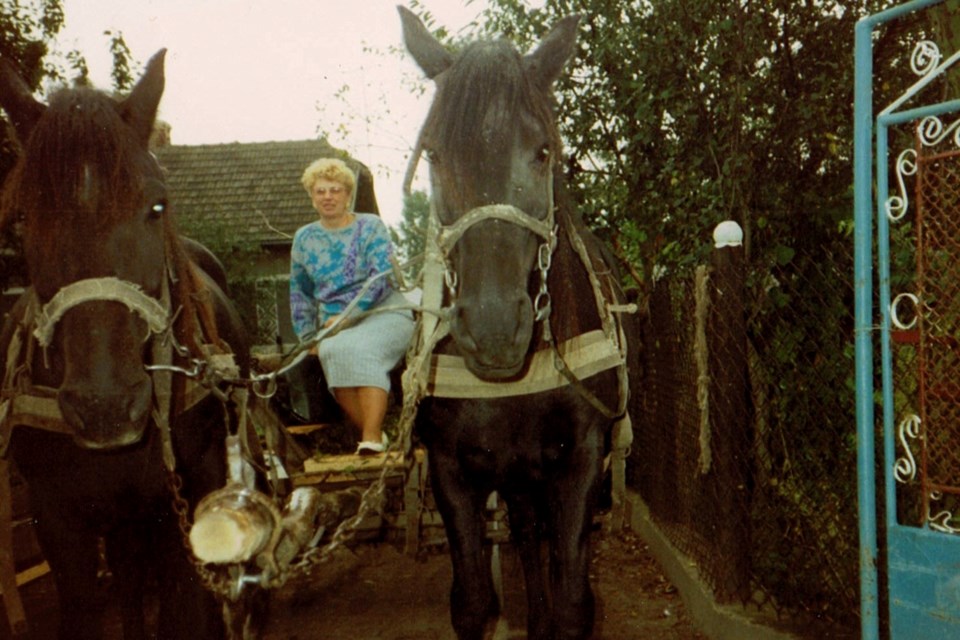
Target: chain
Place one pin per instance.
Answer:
(181, 508)
(542, 304)
(371, 501)
(228, 586)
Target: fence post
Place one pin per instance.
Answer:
(729, 432)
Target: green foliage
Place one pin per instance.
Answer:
(238, 258)
(945, 22)
(410, 241)
(678, 115)
(123, 79)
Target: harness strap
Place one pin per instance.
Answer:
(588, 395)
(153, 312)
(580, 357)
(446, 376)
(34, 406)
(163, 397)
(612, 327)
(21, 402)
(449, 235)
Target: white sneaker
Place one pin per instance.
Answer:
(372, 448)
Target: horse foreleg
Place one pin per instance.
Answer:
(474, 607)
(74, 556)
(571, 512)
(126, 558)
(187, 608)
(525, 533)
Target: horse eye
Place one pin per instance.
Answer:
(158, 209)
(432, 156)
(543, 154)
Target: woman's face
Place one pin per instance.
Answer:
(330, 199)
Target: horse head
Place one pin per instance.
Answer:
(95, 235)
(491, 139)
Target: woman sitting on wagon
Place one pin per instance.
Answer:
(331, 260)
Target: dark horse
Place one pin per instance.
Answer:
(517, 283)
(99, 240)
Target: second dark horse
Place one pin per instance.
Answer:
(100, 242)
(521, 271)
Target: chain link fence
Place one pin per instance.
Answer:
(745, 446)
(926, 345)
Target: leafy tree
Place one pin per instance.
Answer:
(410, 240)
(121, 74)
(25, 33)
(678, 115)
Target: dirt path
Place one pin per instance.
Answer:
(379, 593)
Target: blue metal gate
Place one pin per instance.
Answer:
(917, 336)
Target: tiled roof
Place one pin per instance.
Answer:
(252, 191)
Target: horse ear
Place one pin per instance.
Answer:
(18, 101)
(432, 57)
(139, 109)
(546, 63)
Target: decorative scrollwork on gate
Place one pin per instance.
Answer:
(941, 521)
(896, 205)
(929, 459)
(925, 58)
(932, 131)
(905, 468)
(895, 316)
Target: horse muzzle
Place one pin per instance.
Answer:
(494, 339)
(103, 419)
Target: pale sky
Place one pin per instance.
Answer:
(269, 70)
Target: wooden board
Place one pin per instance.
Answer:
(31, 573)
(305, 429)
(349, 468)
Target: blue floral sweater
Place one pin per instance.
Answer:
(328, 267)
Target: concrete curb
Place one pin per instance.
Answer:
(719, 622)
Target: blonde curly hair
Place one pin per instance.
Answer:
(331, 169)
